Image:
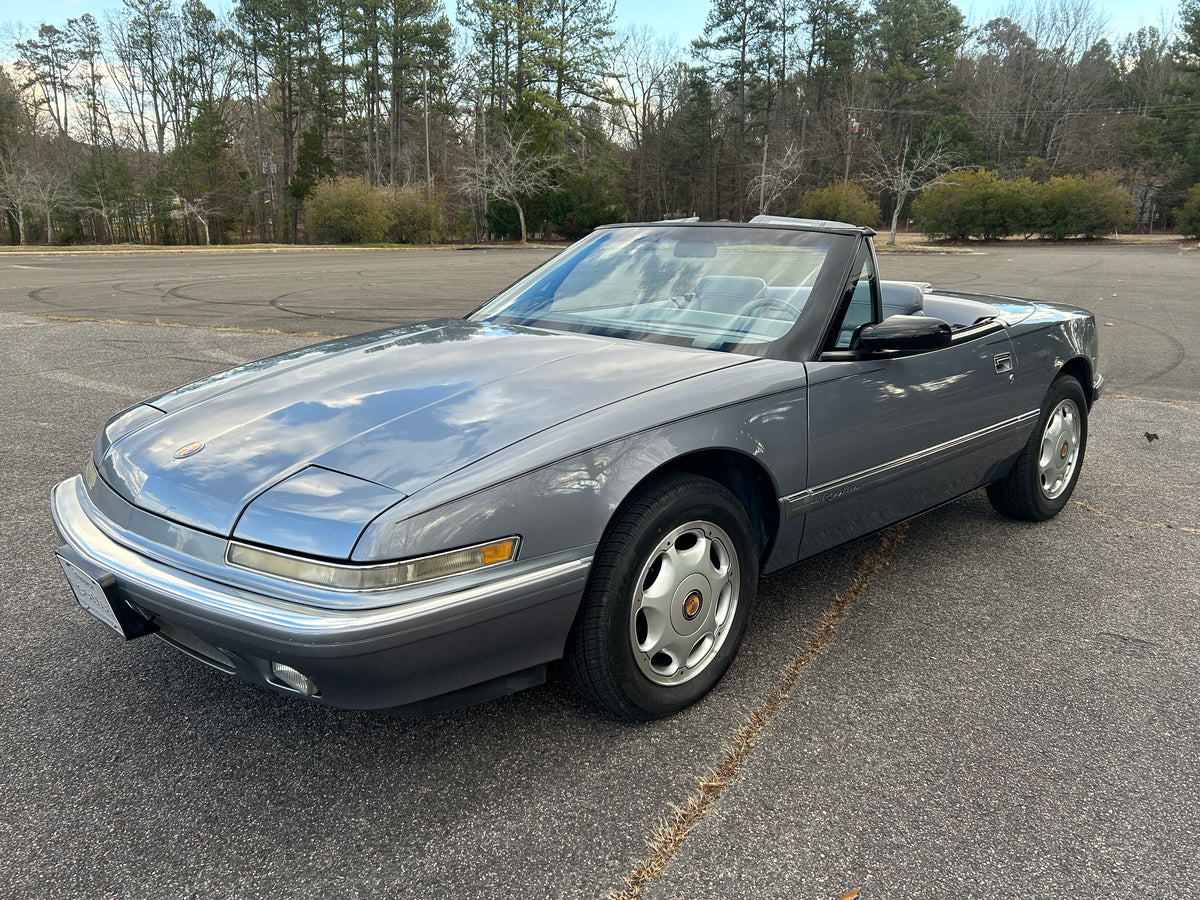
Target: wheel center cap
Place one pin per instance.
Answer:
(692, 604)
(1062, 454)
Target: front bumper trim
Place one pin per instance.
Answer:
(260, 613)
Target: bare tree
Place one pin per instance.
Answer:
(186, 210)
(779, 174)
(29, 188)
(909, 170)
(648, 68)
(16, 192)
(140, 68)
(511, 172)
(1037, 72)
(50, 195)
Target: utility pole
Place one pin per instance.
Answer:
(850, 133)
(762, 181)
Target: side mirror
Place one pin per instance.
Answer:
(909, 334)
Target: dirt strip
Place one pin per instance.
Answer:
(672, 831)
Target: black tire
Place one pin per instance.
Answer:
(667, 601)
(1041, 481)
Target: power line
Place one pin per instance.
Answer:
(1134, 112)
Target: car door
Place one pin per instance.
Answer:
(894, 434)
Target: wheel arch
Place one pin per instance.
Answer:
(1081, 370)
(742, 475)
(612, 655)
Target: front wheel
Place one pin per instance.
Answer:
(667, 602)
(1042, 479)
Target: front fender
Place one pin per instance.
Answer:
(566, 503)
(1056, 339)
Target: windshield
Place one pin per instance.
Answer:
(713, 287)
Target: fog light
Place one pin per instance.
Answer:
(294, 679)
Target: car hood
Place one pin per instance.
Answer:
(341, 431)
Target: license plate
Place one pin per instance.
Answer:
(91, 595)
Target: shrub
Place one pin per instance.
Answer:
(842, 201)
(347, 210)
(1028, 210)
(1188, 215)
(938, 210)
(977, 204)
(1088, 207)
(417, 219)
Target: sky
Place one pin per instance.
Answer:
(685, 18)
(682, 18)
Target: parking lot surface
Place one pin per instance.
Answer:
(963, 706)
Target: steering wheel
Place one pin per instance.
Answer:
(760, 305)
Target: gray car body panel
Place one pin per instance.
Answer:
(389, 416)
(422, 439)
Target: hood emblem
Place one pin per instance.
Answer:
(189, 449)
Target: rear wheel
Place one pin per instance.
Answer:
(1041, 481)
(667, 603)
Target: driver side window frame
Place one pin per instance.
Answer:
(845, 327)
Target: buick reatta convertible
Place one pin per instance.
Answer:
(595, 466)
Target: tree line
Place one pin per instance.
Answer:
(171, 123)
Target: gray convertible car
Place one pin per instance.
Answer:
(595, 466)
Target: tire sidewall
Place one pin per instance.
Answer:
(712, 504)
(1064, 388)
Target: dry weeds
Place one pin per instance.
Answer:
(1110, 517)
(673, 831)
(273, 332)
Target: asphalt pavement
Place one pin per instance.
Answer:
(965, 706)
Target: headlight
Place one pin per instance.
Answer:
(376, 577)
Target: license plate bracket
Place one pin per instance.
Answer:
(95, 591)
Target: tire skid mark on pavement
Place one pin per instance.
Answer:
(1178, 350)
(178, 293)
(282, 302)
(1109, 516)
(672, 831)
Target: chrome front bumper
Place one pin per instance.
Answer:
(449, 637)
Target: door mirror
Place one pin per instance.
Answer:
(909, 334)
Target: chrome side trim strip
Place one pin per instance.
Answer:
(805, 501)
(239, 608)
